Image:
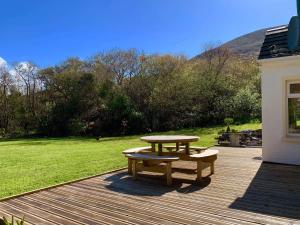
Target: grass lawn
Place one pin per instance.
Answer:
(28, 164)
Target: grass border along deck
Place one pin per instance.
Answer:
(59, 185)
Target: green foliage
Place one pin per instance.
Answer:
(228, 121)
(246, 104)
(2, 132)
(221, 131)
(218, 78)
(126, 92)
(5, 221)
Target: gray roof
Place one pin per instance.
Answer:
(276, 44)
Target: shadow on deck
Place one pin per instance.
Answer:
(274, 190)
(152, 185)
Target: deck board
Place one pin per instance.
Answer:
(243, 191)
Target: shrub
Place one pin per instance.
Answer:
(228, 121)
(5, 221)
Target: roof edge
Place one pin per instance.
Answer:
(279, 59)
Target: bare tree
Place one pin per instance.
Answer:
(124, 64)
(27, 77)
(5, 84)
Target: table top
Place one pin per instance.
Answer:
(169, 138)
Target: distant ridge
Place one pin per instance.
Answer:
(247, 45)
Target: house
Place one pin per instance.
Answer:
(280, 65)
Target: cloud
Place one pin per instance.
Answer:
(3, 63)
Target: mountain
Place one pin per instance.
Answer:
(247, 45)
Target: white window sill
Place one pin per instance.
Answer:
(291, 139)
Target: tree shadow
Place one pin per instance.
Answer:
(34, 143)
(275, 190)
(43, 141)
(152, 185)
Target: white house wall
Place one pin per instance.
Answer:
(277, 146)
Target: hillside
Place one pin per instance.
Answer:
(247, 45)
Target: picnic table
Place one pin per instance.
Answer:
(168, 139)
(153, 159)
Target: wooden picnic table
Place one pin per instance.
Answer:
(167, 139)
(152, 162)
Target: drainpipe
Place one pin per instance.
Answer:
(294, 31)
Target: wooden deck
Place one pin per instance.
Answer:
(243, 191)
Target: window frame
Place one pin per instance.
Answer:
(290, 95)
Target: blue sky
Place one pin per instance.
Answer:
(48, 31)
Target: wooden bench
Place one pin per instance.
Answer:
(164, 164)
(182, 148)
(208, 156)
(137, 150)
(134, 151)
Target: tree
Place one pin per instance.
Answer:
(26, 74)
(69, 94)
(218, 76)
(160, 91)
(123, 64)
(5, 86)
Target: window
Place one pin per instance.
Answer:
(293, 108)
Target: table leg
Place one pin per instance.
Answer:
(212, 167)
(153, 147)
(134, 169)
(177, 147)
(159, 149)
(199, 170)
(129, 166)
(187, 148)
(169, 173)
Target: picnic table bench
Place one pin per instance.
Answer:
(208, 156)
(134, 151)
(137, 150)
(164, 164)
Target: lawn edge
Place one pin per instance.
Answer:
(60, 184)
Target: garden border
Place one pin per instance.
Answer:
(59, 185)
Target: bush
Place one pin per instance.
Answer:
(5, 221)
(247, 105)
(228, 121)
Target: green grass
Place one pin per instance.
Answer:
(28, 164)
